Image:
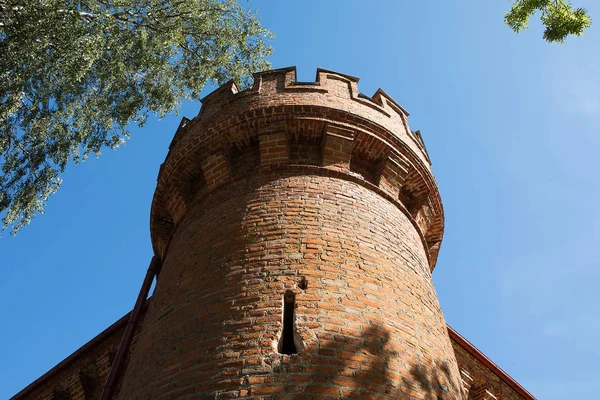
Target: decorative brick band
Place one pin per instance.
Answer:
(279, 123)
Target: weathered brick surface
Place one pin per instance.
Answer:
(369, 322)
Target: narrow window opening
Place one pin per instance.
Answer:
(287, 344)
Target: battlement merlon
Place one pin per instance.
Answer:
(330, 89)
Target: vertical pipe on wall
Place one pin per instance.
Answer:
(113, 376)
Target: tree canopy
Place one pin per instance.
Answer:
(74, 74)
(558, 17)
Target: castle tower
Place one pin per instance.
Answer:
(298, 225)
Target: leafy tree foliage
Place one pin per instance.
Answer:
(558, 16)
(75, 73)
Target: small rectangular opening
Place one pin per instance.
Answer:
(287, 344)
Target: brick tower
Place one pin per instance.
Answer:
(298, 225)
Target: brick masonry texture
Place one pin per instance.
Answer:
(480, 380)
(310, 189)
(368, 317)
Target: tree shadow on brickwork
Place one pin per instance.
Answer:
(433, 383)
(373, 375)
(350, 367)
(359, 368)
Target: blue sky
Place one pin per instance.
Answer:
(511, 124)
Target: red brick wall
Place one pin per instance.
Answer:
(481, 379)
(369, 319)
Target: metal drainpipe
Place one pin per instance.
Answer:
(115, 369)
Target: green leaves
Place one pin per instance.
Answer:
(558, 16)
(74, 74)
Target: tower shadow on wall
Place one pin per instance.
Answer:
(363, 371)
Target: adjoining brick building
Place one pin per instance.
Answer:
(295, 227)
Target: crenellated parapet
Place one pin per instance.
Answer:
(326, 127)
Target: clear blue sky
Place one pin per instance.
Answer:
(512, 127)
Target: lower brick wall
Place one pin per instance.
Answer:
(481, 378)
(81, 375)
(94, 359)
